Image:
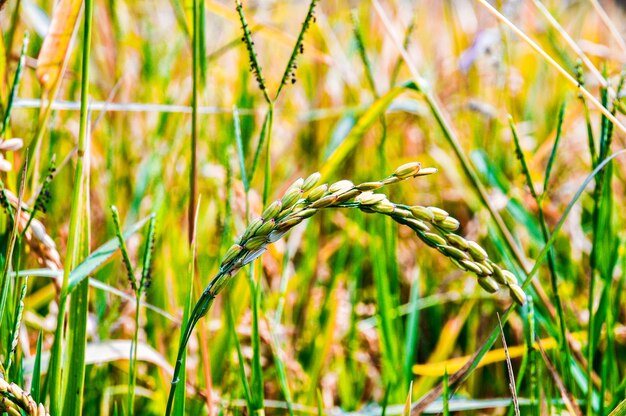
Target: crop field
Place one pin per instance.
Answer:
(320, 207)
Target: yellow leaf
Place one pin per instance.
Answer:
(437, 369)
(56, 45)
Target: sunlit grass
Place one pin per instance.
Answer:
(192, 117)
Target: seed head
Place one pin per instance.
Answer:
(317, 193)
(348, 195)
(457, 241)
(509, 278)
(324, 202)
(484, 268)
(232, 252)
(416, 225)
(391, 180)
(276, 235)
(370, 198)
(489, 284)
(422, 213)
(291, 197)
(252, 228)
(272, 210)
(288, 223)
(498, 274)
(311, 181)
(266, 228)
(517, 293)
(340, 187)
(297, 184)
(384, 207)
(449, 224)
(476, 251)
(426, 171)
(369, 186)
(470, 265)
(407, 170)
(252, 255)
(433, 239)
(453, 252)
(438, 214)
(306, 213)
(255, 242)
(5, 165)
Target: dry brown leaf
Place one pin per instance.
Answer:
(56, 45)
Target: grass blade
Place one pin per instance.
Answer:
(15, 86)
(75, 229)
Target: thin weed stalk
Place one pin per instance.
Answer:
(138, 289)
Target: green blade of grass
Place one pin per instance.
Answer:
(75, 229)
(240, 151)
(198, 32)
(15, 86)
(280, 367)
(242, 369)
(35, 387)
(179, 403)
(8, 258)
(412, 329)
(446, 394)
(256, 377)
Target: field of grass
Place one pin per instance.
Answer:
(148, 269)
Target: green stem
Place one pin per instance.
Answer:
(132, 376)
(194, 119)
(74, 228)
(268, 159)
(200, 309)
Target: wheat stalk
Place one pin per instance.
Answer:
(303, 199)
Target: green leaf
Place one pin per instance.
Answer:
(101, 255)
